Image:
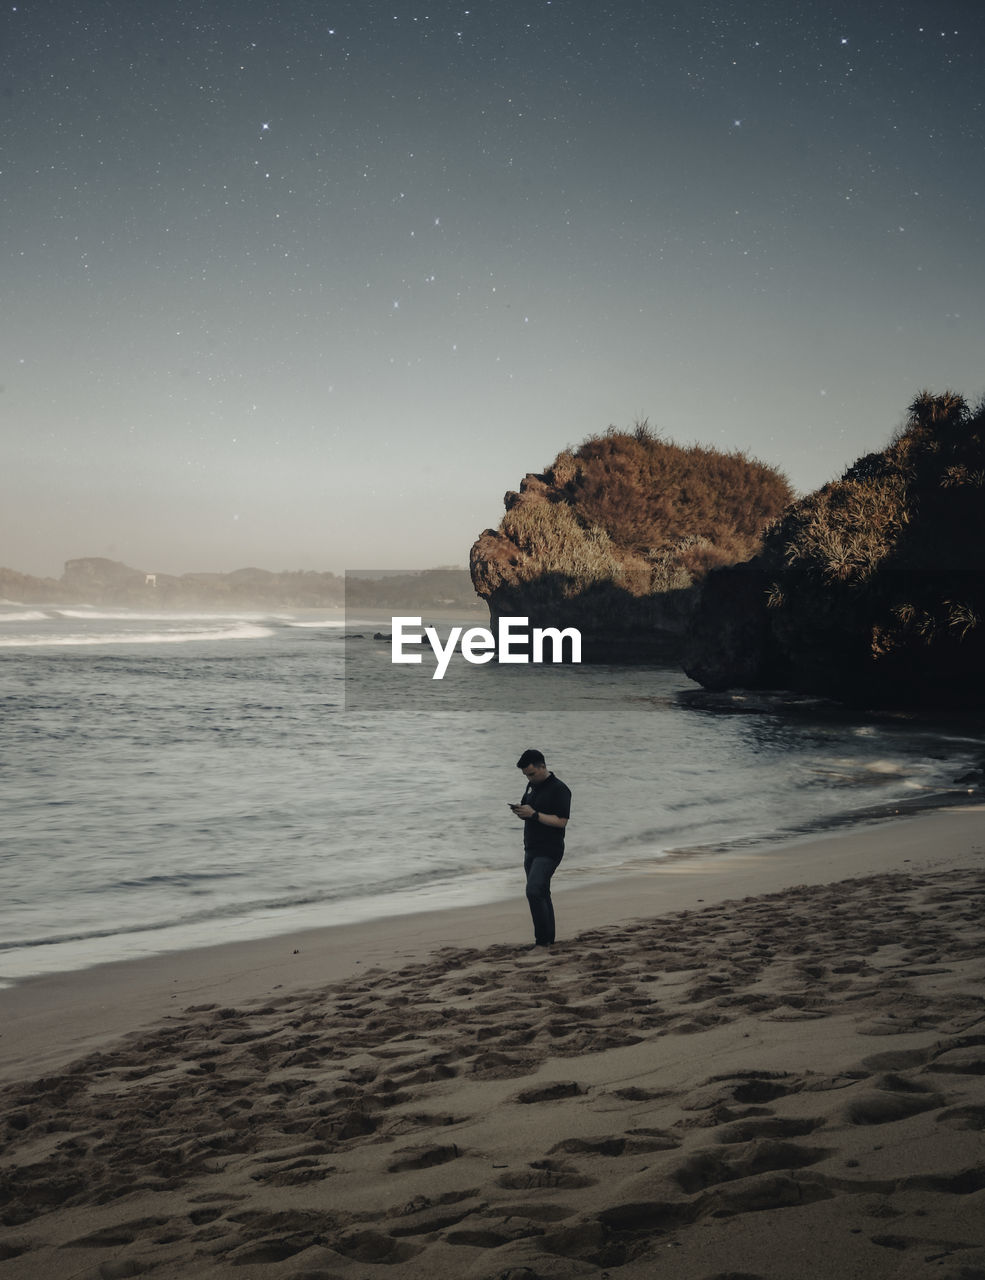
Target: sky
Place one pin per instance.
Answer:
(311, 285)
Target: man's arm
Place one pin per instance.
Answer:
(545, 819)
(560, 797)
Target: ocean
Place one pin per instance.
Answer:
(177, 780)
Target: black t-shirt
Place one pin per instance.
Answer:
(549, 796)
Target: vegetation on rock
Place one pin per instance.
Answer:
(613, 534)
(872, 589)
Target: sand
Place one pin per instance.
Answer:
(770, 1065)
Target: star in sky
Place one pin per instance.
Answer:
(159, 273)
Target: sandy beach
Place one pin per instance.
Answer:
(769, 1066)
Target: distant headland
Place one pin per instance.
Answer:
(94, 580)
(615, 538)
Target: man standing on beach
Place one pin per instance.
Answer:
(545, 809)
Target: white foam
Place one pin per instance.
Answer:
(243, 631)
(134, 615)
(32, 615)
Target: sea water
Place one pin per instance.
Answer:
(174, 780)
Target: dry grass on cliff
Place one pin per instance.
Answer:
(652, 496)
(918, 502)
(642, 512)
(553, 541)
(884, 569)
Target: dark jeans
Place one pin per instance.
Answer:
(538, 871)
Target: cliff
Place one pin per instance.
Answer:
(872, 589)
(614, 537)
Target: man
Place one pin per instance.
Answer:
(545, 809)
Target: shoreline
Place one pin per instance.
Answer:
(766, 1065)
(369, 909)
(49, 1019)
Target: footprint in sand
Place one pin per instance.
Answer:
(892, 1099)
(745, 1087)
(710, 1168)
(297, 1174)
(633, 1142)
(544, 1173)
(970, 1117)
(552, 1092)
(375, 1247)
(423, 1157)
(767, 1127)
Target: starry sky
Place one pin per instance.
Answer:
(311, 285)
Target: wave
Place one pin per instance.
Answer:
(31, 615)
(322, 622)
(241, 631)
(87, 614)
(421, 882)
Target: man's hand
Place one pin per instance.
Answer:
(524, 811)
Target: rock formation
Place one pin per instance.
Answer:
(614, 537)
(872, 589)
